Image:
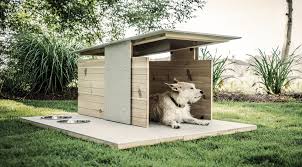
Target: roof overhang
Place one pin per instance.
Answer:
(162, 41)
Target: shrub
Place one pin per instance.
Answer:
(273, 70)
(42, 63)
(219, 67)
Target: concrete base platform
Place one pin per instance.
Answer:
(124, 136)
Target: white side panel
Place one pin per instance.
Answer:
(118, 82)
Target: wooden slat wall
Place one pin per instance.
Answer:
(198, 72)
(91, 87)
(184, 54)
(140, 91)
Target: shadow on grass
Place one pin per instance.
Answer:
(66, 105)
(12, 127)
(292, 108)
(22, 144)
(266, 159)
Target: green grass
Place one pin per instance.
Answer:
(276, 142)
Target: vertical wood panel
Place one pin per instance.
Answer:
(140, 91)
(91, 88)
(184, 54)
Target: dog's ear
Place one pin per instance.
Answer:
(175, 80)
(173, 87)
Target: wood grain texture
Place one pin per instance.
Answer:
(91, 77)
(91, 91)
(142, 122)
(89, 112)
(92, 63)
(91, 70)
(91, 88)
(99, 106)
(140, 91)
(198, 72)
(184, 54)
(91, 84)
(91, 98)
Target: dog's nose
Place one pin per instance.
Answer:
(201, 92)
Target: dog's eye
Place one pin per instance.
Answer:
(192, 88)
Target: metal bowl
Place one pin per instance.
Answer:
(56, 117)
(73, 121)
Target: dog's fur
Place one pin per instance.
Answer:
(172, 107)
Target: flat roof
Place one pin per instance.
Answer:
(162, 41)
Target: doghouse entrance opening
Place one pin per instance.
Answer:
(196, 71)
(148, 77)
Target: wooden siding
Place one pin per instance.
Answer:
(140, 91)
(91, 87)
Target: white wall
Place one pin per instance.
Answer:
(260, 23)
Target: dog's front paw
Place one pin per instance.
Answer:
(204, 123)
(175, 125)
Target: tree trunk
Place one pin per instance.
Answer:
(287, 42)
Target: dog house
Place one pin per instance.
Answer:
(116, 86)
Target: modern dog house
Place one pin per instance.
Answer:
(115, 87)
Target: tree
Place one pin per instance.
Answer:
(95, 20)
(287, 41)
(83, 21)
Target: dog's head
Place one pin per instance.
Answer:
(186, 91)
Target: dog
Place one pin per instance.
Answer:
(173, 107)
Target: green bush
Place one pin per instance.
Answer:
(42, 63)
(273, 70)
(219, 67)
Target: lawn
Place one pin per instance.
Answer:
(276, 142)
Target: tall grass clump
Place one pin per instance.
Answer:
(274, 70)
(219, 67)
(43, 63)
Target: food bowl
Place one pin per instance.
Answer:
(56, 117)
(73, 121)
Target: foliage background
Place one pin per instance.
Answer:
(42, 63)
(55, 23)
(91, 21)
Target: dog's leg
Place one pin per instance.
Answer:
(192, 120)
(173, 124)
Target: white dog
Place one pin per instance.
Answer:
(172, 107)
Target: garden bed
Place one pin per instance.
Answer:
(230, 96)
(222, 96)
(71, 94)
